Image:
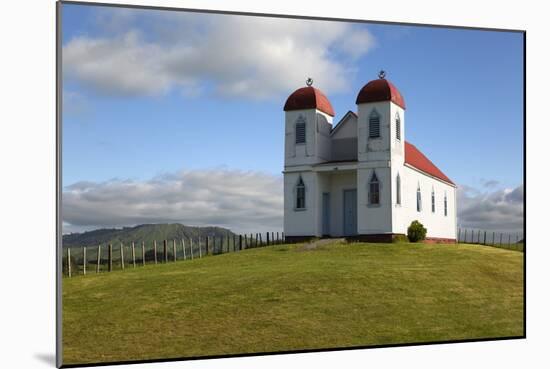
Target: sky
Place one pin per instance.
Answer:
(177, 117)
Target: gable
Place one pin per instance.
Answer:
(346, 127)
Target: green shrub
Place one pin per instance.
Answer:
(416, 231)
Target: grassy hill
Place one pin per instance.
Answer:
(293, 297)
(144, 232)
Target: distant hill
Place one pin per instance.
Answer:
(144, 232)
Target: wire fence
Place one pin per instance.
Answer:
(109, 257)
(505, 240)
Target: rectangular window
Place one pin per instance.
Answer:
(374, 127)
(433, 202)
(300, 197)
(300, 133)
(374, 193)
(445, 205)
(418, 200)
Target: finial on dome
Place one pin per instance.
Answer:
(309, 81)
(382, 74)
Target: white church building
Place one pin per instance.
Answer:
(360, 178)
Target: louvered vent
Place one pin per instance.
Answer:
(300, 132)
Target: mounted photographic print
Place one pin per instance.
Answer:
(236, 184)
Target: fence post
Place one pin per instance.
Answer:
(69, 261)
(206, 246)
(478, 235)
(200, 251)
(283, 237)
(110, 257)
(509, 238)
(143, 253)
(155, 249)
(183, 247)
(493, 239)
(500, 243)
(122, 255)
(472, 237)
(175, 253)
(240, 242)
(165, 250)
(133, 254)
(277, 238)
(98, 258)
(84, 260)
(485, 237)
(458, 238)
(267, 238)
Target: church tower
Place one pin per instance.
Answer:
(308, 121)
(381, 155)
(308, 124)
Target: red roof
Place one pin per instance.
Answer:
(308, 98)
(416, 159)
(380, 90)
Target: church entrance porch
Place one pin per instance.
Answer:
(337, 210)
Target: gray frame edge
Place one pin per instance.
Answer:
(59, 224)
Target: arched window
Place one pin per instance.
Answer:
(418, 199)
(433, 200)
(397, 126)
(301, 130)
(300, 194)
(445, 204)
(398, 190)
(374, 124)
(374, 190)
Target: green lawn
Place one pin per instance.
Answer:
(289, 298)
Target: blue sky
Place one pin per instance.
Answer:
(134, 111)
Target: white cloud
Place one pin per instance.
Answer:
(232, 55)
(499, 211)
(239, 200)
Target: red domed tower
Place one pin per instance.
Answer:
(308, 98)
(308, 125)
(308, 122)
(381, 149)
